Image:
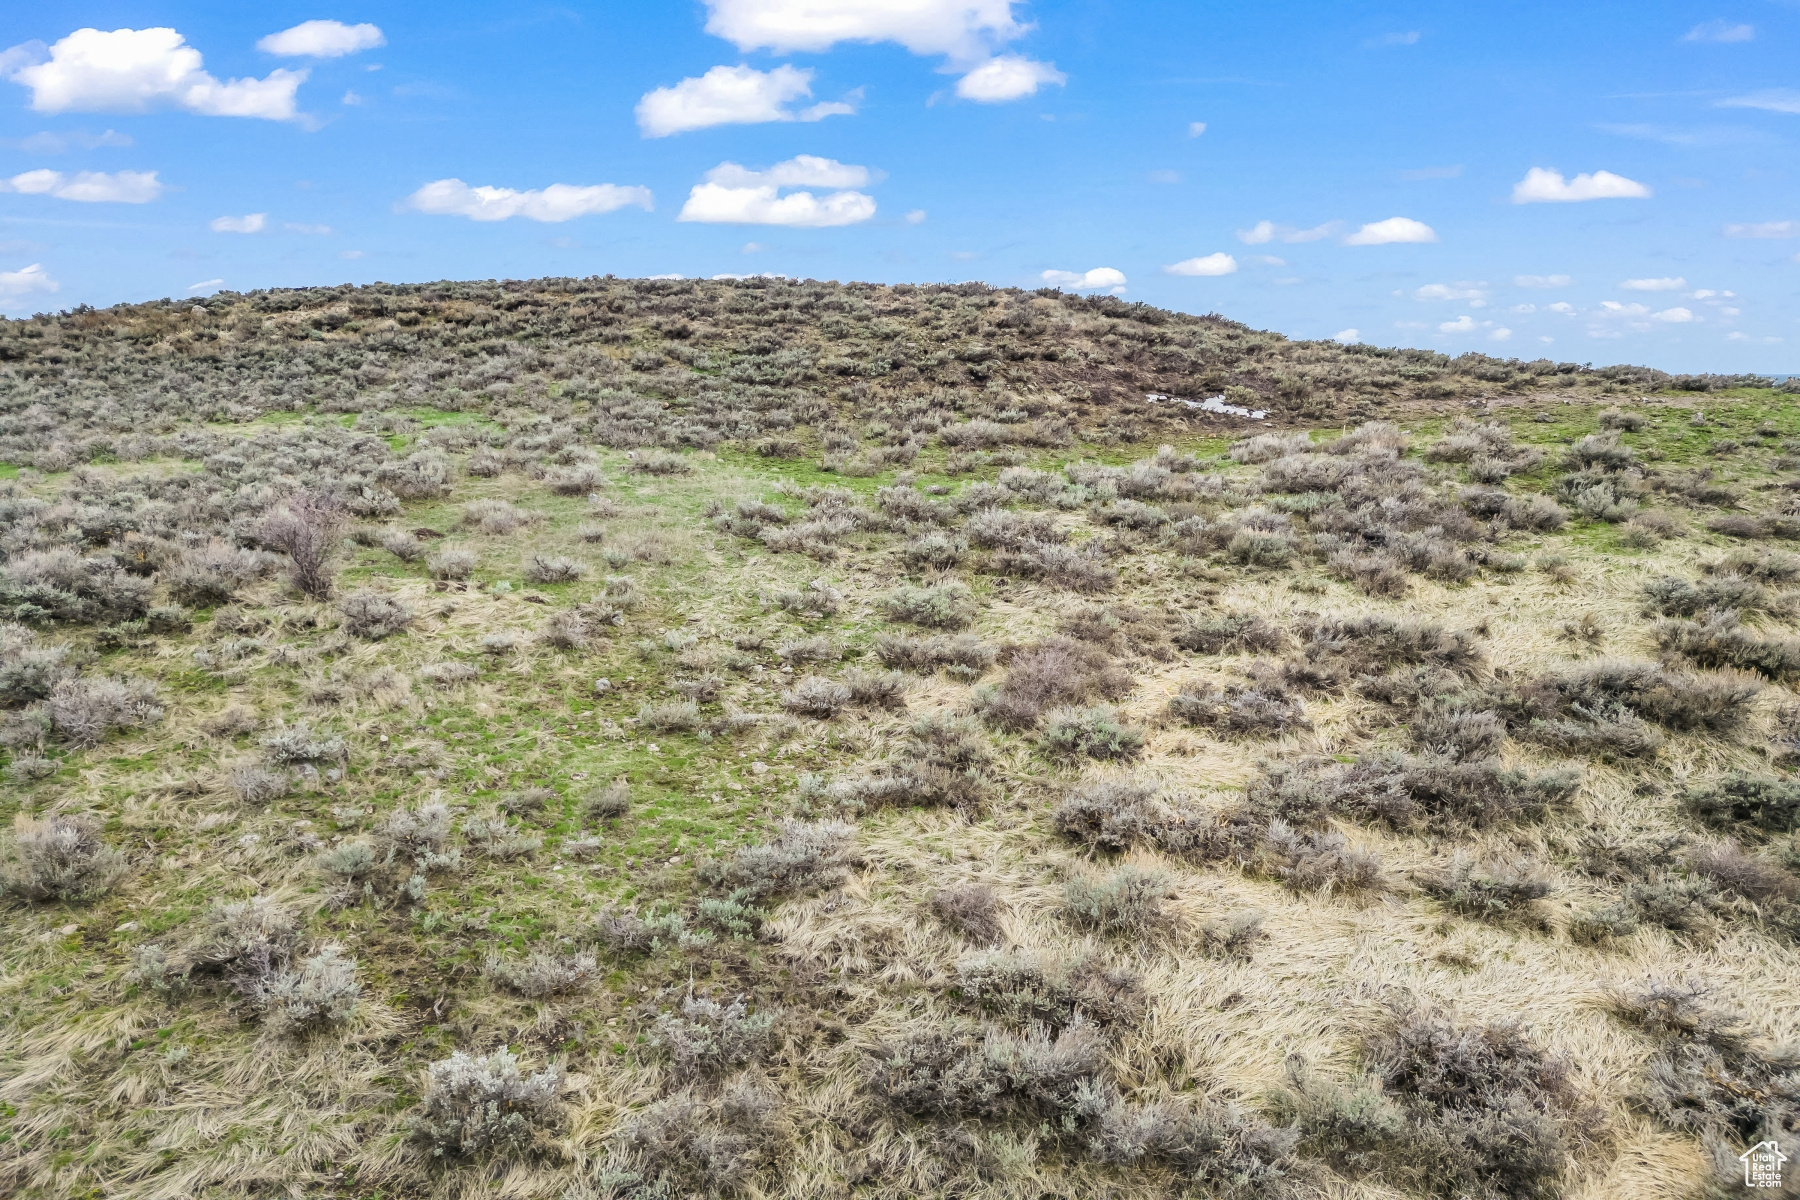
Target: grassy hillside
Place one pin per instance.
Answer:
(643, 739)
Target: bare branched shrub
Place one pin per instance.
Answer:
(478, 1106)
(58, 858)
(373, 616)
(307, 528)
(553, 568)
(972, 909)
(1475, 1111)
(1058, 671)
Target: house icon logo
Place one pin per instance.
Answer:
(1762, 1165)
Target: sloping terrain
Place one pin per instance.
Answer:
(652, 738)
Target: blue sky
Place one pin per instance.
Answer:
(1593, 182)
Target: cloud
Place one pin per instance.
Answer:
(62, 143)
(90, 187)
(322, 39)
(252, 223)
(26, 281)
(204, 285)
(1720, 31)
(1674, 316)
(1098, 279)
(1766, 229)
(1781, 100)
(1393, 230)
(916, 217)
(141, 70)
(1667, 283)
(1542, 186)
(1711, 135)
(1008, 77)
(1165, 176)
(1561, 306)
(732, 96)
(1432, 173)
(1615, 309)
(1502, 334)
(1475, 293)
(558, 202)
(963, 30)
(1541, 281)
(1408, 38)
(1196, 128)
(1462, 324)
(1347, 336)
(313, 230)
(735, 195)
(1264, 232)
(1210, 264)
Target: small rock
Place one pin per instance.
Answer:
(759, 768)
(602, 686)
(69, 930)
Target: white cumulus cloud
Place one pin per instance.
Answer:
(322, 39)
(1674, 316)
(1462, 324)
(1541, 281)
(140, 70)
(26, 281)
(1007, 77)
(1196, 128)
(1475, 293)
(1264, 232)
(1544, 186)
(735, 195)
(91, 187)
(963, 30)
(1668, 283)
(1501, 334)
(1764, 229)
(1208, 264)
(249, 223)
(1098, 279)
(558, 202)
(732, 96)
(1391, 231)
(1347, 336)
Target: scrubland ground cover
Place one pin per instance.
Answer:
(605, 739)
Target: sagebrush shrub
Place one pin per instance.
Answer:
(1129, 901)
(84, 710)
(941, 606)
(452, 563)
(475, 1106)
(373, 616)
(319, 991)
(553, 568)
(709, 1038)
(544, 973)
(817, 696)
(801, 857)
(972, 909)
(306, 528)
(1094, 731)
(58, 858)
